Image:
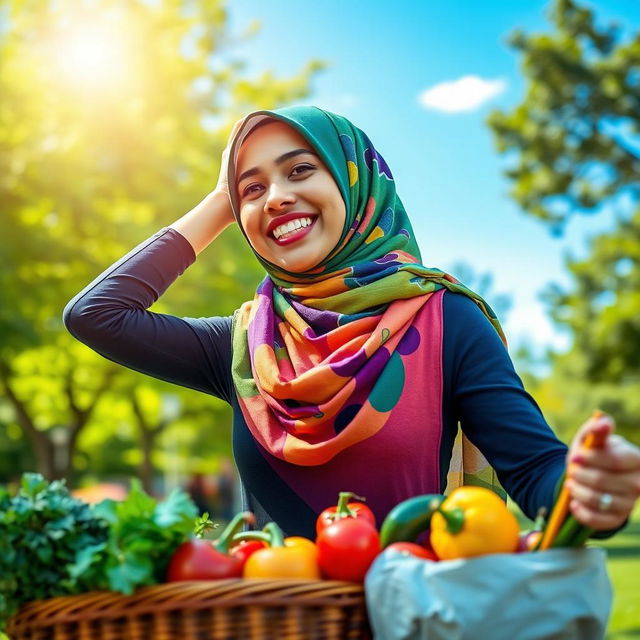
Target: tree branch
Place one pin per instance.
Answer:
(20, 408)
(82, 416)
(143, 423)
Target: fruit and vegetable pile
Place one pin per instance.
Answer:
(52, 544)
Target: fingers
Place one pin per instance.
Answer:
(613, 470)
(602, 479)
(617, 455)
(600, 425)
(236, 127)
(595, 518)
(613, 504)
(222, 178)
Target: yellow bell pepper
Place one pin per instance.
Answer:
(473, 521)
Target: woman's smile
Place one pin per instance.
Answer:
(290, 227)
(290, 206)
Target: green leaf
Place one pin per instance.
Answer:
(106, 510)
(85, 558)
(137, 504)
(132, 571)
(178, 509)
(32, 484)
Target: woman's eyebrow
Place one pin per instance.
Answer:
(291, 154)
(279, 160)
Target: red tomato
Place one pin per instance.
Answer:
(245, 548)
(413, 549)
(199, 560)
(347, 548)
(333, 514)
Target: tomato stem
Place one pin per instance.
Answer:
(226, 537)
(252, 535)
(343, 510)
(276, 537)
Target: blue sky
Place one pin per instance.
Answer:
(383, 56)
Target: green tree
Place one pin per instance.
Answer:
(572, 148)
(112, 121)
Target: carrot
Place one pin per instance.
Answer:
(561, 507)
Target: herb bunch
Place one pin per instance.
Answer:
(43, 530)
(52, 544)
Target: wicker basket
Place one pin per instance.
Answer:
(213, 610)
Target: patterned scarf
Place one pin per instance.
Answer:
(315, 355)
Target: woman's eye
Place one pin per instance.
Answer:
(250, 189)
(301, 169)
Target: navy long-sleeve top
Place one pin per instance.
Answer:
(480, 388)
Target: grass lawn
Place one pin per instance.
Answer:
(623, 551)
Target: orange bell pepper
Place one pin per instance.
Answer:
(302, 543)
(281, 560)
(473, 521)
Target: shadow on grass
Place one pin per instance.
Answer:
(625, 543)
(624, 633)
(632, 529)
(621, 552)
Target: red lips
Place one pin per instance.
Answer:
(286, 217)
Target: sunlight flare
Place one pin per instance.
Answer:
(93, 56)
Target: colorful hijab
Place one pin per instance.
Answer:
(315, 354)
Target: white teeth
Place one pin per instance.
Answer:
(288, 227)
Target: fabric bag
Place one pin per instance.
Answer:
(557, 594)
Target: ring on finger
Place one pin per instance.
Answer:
(605, 502)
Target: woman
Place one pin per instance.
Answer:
(353, 364)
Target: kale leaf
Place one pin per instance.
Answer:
(42, 530)
(52, 544)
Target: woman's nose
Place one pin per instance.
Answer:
(278, 197)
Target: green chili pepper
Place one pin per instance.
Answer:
(571, 534)
(409, 518)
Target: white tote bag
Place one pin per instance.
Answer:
(553, 595)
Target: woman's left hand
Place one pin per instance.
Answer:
(604, 483)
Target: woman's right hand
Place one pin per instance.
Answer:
(222, 186)
(209, 218)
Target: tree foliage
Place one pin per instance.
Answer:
(112, 121)
(572, 147)
(570, 141)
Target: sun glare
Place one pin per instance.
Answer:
(93, 57)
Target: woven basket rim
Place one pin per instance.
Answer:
(187, 596)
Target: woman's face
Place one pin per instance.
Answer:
(290, 206)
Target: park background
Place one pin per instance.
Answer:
(512, 130)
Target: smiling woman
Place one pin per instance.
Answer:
(354, 363)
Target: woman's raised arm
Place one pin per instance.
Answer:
(207, 220)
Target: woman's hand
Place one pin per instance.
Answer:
(204, 223)
(222, 184)
(604, 483)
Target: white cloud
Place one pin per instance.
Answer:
(465, 94)
(528, 321)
